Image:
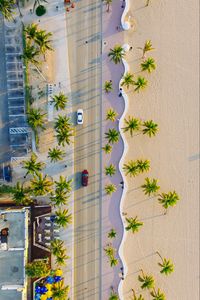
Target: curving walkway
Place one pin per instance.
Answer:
(112, 205)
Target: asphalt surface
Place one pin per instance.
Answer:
(84, 40)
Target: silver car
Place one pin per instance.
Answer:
(79, 116)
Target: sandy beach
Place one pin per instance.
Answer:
(171, 100)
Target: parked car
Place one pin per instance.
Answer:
(79, 116)
(7, 173)
(84, 178)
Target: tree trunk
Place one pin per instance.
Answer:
(159, 255)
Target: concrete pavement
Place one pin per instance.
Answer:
(4, 136)
(84, 38)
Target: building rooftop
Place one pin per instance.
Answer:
(13, 254)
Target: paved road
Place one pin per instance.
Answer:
(84, 24)
(4, 136)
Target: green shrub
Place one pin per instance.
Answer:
(40, 10)
(6, 189)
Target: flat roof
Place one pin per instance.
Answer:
(16, 223)
(10, 295)
(12, 260)
(11, 266)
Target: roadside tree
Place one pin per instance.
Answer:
(116, 54)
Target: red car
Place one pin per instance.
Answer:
(85, 175)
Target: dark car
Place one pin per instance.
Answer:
(7, 173)
(85, 175)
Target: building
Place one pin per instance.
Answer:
(13, 253)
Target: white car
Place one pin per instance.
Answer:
(79, 116)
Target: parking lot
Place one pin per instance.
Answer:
(14, 132)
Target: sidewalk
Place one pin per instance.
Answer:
(111, 276)
(56, 70)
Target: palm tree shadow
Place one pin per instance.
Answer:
(141, 259)
(153, 217)
(135, 189)
(139, 202)
(139, 8)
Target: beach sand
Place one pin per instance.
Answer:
(171, 100)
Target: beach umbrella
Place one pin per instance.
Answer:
(43, 290)
(37, 289)
(53, 218)
(58, 272)
(48, 286)
(43, 297)
(50, 279)
(49, 294)
(37, 296)
(57, 278)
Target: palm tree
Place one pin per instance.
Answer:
(36, 118)
(108, 2)
(157, 295)
(59, 198)
(111, 115)
(132, 125)
(108, 86)
(113, 261)
(6, 8)
(43, 41)
(110, 170)
(32, 166)
(38, 3)
(41, 185)
(127, 80)
(150, 186)
(110, 188)
(62, 122)
(112, 135)
(113, 295)
(109, 250)
(55, 154)
(59, 291)
(31, 31)
(147, 47)
(59, 101)
(140, 84)
(107, 148)
(133, 224)
(21, 195)
(112, 233)
(140, 297)
(148, 65)
(168, 199)
(150, 129)
(147, 281)
(116, 54)
(167, 266)
(143, 165)
(63, 217)
(30, 54)
(64, 136)
(147, 3)
(64, 184)
(61, 259)
(57, 247)
(131, 168)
